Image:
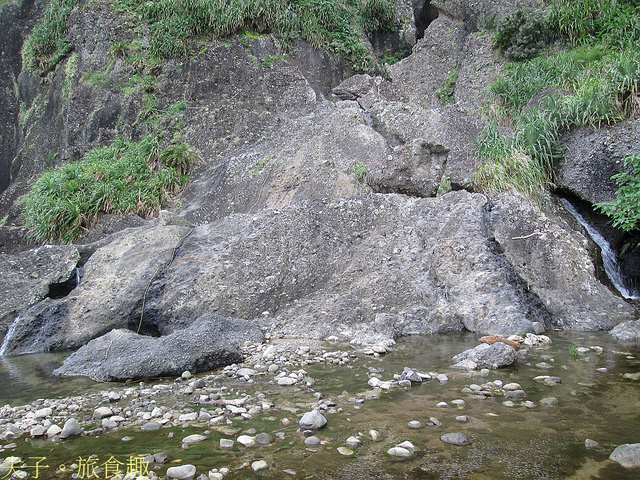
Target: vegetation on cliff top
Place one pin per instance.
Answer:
(593, 81)
(174, 25)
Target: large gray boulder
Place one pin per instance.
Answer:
(488, 356)
(110, 295)
(627, 332)
(552, 261)
(627, 455)
(314, 156)
(27, 277)
(210, 342)
(366, 269)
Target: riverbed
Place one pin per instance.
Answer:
(540, 436)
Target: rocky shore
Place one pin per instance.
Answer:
(274, 388)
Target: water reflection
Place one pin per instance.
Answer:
(25, 378)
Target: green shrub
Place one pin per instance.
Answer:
(333, 24)
(446, 94)
(611, 22)
(180, 157)
(378, 15)
(625, 209)
(48, 43)
(521, 35)
(120, 178)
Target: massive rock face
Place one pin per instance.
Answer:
(31, 276)
(364, 270)
(593, 157)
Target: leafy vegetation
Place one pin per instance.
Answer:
(360, 171)
(48, 43)
(332, 24)
(522, 35)
(125, 178)
(594, 83)
(625, 209)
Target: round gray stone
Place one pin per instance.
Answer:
(313, 420)
(627, 455)
(183, 472)
(455, 439)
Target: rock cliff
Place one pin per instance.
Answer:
(327, 207)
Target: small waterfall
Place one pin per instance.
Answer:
(609, 257)
(8, 336)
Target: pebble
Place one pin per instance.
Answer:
(313, 420)
(455, 439)
(102, 412)
(627, 455)
(442, 405)
(459, 402)
(346, 451)
(151, 427)
(461, 418)
(588, 443)
(435, 421)
(442, 378)
(53, 430)
(312, 441)
(246, 441)
(226, 443)
(399, 452)
(264, 439)
(183, 472)
(259, 466)
(70, 429)
(195, 438)
(515, 395)
(549, 401)
(375, 435)
(408, 445)
(352, 442)
(415, 424)
(287, 381)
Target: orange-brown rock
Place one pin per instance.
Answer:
(491, 339)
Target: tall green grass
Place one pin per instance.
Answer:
(125, 178)
(334, 24)
(594, 83)
(48, 43)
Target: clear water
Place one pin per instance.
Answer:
(546, 442)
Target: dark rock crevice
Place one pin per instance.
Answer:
(423, 14)
(535, 309)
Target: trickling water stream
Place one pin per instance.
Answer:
(609, 257)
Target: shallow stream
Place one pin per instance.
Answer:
(544, 442)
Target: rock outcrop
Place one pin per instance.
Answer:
(210, 342)
(31, 276)
(322, 210)
(365, 270)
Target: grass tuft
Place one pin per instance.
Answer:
(48, 43)
(123, 178)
